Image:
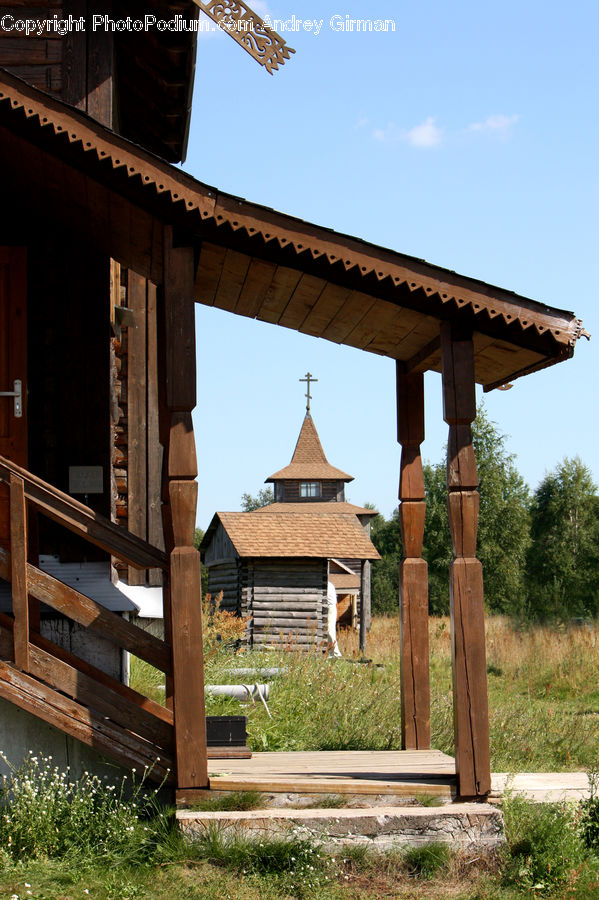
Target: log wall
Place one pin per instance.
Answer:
(226, 577)
(35, 58)
(287, 599)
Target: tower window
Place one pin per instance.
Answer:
(310, 489)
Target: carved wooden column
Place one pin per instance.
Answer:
(413, 570)
(181, 491)
(470, 706)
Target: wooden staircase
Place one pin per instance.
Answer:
(55, 685)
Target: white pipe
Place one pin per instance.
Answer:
(239, 691)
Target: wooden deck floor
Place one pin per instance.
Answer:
(400, 772)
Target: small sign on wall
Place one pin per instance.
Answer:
(86, 479)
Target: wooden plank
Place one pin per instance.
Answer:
(302, 301)
(281, 288)
(336, 785)
(74, 42)
(228, 752)
(82, 520)
(354, 309)
(330, 301)
(95, 617)
(257, 283)
(180, 325)
(64, 713)
(100, 76)
(212, 258)
(17, 51)
(136, 415)
(63, 677)
(18, 543)
(155, 535)
(234, 270)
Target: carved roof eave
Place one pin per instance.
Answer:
(182, 200)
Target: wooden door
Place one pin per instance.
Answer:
(13, 366)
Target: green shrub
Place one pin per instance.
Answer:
(43, 814)
(589, 814)
(544, 850)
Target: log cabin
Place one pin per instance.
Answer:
(273, 565)
(105, 246)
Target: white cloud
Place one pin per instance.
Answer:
(495, 124)
(425, 135)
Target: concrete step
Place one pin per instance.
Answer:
(460, 825)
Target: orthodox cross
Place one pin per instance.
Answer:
(308, 379)
(248, 29)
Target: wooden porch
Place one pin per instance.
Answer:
(183, 242)
(398, 773)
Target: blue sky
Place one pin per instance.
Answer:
(468, 137)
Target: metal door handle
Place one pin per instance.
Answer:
(18, 395)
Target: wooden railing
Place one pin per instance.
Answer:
(56, 685)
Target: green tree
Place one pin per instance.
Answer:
(563, 560)
(264, 498)
(385, 535)
(504, 527)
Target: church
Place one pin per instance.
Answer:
(276, 564)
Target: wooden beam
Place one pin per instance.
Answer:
(18, 543)
(181, 490)
(413, 570)
(470, 704)
(419, 361)
(137, 415)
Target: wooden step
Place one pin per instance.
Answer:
(460, 825)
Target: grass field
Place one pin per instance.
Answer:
(543, 695)
(71, 844)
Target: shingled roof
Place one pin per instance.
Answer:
(316, 506)
(308, 460)
(305, 534)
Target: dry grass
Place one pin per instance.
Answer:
(543, 693)
(543, 690)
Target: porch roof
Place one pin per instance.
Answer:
(257, 262)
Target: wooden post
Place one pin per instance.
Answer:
(470, 705)
(137, 451)
(181, 488)
(413, 570)
(18, 559)
(364, 604)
